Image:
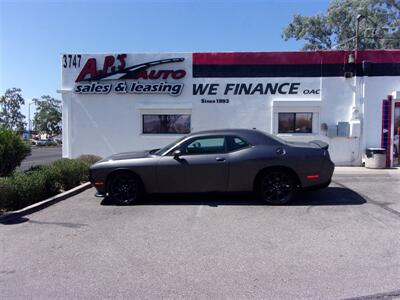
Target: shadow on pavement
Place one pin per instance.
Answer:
(14, 221)
(19, 220)
(327, 196)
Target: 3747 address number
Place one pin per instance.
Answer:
(71, 61)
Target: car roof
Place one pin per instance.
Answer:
(252, 136)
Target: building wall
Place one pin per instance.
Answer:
(103, 124)
(376, 89)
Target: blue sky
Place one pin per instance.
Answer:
(33, 34)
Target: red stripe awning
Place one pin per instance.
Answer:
(299, 57)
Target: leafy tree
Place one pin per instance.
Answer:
(48, 115)
(10, 106)
(379, 26)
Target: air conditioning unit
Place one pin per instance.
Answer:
(343, 129)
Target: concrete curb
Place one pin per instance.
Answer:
(365, 171)
(45, 203)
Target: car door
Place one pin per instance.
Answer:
(201, 167)
(242, 164)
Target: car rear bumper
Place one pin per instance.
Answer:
(99, 185)
(319, 179)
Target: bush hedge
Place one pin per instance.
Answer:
(41, 182)
(89, 159)
(12, 151)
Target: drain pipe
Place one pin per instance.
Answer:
(359, 94)
(357, 113)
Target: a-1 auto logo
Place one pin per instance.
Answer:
(116, 76)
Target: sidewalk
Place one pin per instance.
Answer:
(366, 171)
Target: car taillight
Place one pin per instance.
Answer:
(98, 183)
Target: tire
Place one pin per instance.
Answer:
(276, 187)
(125, 188)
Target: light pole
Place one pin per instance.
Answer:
(29, 119)
(358, 19)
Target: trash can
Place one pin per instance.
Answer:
(376, 158)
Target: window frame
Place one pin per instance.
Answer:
(294, 113)
(296, 105)
(143, 114)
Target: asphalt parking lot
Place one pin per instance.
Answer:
(341, 242)
(41, 156)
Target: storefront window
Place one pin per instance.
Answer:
(178, 124)
(295, 122)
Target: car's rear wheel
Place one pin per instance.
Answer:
(124, 188)
(276, 186)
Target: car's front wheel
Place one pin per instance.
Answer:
(276, 186)
(124, 188)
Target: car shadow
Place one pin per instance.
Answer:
(14, 220)
(327, 196)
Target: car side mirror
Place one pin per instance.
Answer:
(177, 153)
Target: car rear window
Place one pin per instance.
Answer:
(235, 143)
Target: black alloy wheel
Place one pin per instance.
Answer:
(276, 187)
(124, 188)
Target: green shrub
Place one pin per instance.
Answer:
(89, 159)
(71, 171)
(41, 182)
(8, 197)
(23, 189)
(30, 188)
(12, 151)
(52, 180)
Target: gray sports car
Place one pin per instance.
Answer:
(229, 160)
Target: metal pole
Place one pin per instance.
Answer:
(357, 23)
(357, 98)
(29, 119)
(358, 19)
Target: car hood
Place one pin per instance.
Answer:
(129, 155)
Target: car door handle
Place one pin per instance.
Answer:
(220, 159)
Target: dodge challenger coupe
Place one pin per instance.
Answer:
(230, 160)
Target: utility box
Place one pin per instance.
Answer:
(343, 129)
(355, 128)
(376, 158)
(332, 131)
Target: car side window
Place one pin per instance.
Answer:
(205, 145)
(235, 143)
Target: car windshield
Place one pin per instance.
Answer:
(169, 146)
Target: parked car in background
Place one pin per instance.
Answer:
(58, 140)
(46, 142)
(33, 141)
(230, 160)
